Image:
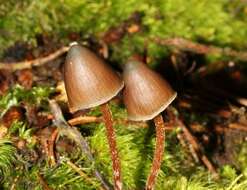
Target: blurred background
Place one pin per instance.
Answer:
(200, 47)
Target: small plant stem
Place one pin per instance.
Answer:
(51, 147)
(238, 126)
(35, 62)
(195, 145)
(113, 146)
(84, 119)
(159, 150)
(72, 133)
(187, 45)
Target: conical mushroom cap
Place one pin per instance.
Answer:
(89, 82)
(146, 93)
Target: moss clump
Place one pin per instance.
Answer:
(213, 22)
(136, 147)
(208, 21)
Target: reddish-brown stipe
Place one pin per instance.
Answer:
(90, 82)
(112, 144)
(159, 151)
(146, 95)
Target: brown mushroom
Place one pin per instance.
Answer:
(146, 95)
(89, 82)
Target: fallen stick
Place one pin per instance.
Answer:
(51, 147)
(238, 126)
(178, 43)
(35, 62)
(93, 119)
(71, 132)
(230, 127)
(181, 138)
(195, 147)
(84, 120)
(187, 45)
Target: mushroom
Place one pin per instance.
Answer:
(89, 82)
(146, 95)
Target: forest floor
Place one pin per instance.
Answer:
(42, 145)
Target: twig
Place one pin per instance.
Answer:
(84, 120)
(126, 122)
(194, 144)
(36, 62)
(93, 119)
(181, 138)
(193, 153)
(197, 149)
(46, 147)
(65, 129)
(51, 147)
(232, 126)
(81, 173)
(187, 45)
(43, 182)
(238, 126)
(189, 136)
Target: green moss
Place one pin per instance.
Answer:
(208, 21)
(7, 158)
(36, 95)
(136, 146)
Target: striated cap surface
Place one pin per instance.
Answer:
(146, 93)
(89, 81)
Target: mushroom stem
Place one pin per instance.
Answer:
(107, 117)
(159, 150)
